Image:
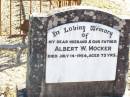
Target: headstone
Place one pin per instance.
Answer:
(77, 53)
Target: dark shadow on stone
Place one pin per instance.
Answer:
(22, 93)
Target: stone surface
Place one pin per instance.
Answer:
(36, 85)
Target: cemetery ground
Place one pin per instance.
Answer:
(13, 75)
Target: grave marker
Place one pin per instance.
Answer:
(77, 53)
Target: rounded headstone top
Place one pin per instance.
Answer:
(48, 13)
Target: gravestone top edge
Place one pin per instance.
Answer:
(48, 13)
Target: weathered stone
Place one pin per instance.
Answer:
(36, 85)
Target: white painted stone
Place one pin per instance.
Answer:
(81, 69)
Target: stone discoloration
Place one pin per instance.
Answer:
(37, 56)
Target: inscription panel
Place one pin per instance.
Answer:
(80, 52)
